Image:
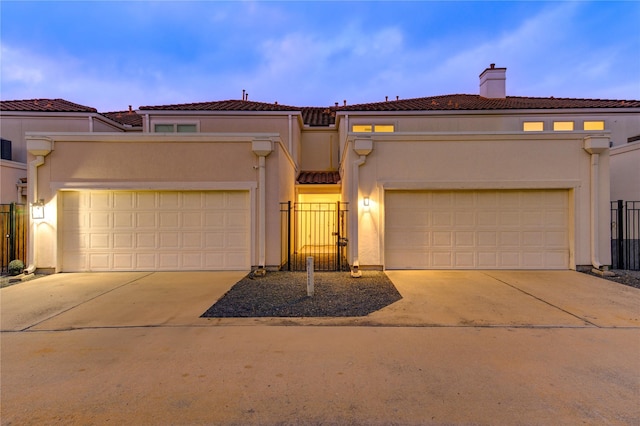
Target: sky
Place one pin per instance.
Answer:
(112, 54)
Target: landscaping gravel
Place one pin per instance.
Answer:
(284, 294)
(630, 278)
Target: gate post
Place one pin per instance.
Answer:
(620, 236)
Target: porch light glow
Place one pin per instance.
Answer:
(37, 209)
(365, 202)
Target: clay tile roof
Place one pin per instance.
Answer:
(229, 105)
(306, 177)
(318, 116)
(44, 105)
(477, 102)
(128, 118)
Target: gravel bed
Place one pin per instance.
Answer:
(284, 294)
(630, 278)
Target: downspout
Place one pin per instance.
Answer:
(262, 148)
(40, 148)
(362, 147)
(595, 145)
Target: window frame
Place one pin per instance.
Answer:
(175, 124)
(373, 125)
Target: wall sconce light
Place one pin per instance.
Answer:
(365, 202)
(37, 209)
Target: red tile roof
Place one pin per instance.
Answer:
(325, 116)
(477, 102)
(306, 177)
(128, 118)
(228, 105)
(44, 105)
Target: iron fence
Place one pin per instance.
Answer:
(313, 229)
(625, 235)
(13, 223)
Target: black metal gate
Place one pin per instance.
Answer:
(625, 235)
(317, 230)
(13, 224)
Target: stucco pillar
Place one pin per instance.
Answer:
(262, 148)
(39, 147)
(599, 187)
(362, 147)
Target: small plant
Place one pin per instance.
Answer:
(16, 267)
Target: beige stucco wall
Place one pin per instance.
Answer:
(14, 125)
(619, 124)
(10, 172)
(148, 161)
(480, 161)
(625, 172)
(320, 150)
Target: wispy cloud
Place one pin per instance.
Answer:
(165, 52)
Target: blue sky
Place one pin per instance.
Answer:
(112, 54)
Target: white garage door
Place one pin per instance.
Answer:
(477, 229)
(155, 230)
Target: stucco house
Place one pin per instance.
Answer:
(484, 181)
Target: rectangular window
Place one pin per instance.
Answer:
(370, 128)
(562, 126)
(533, 126)
(594, 125)
(384, 128)
(163, 128)
(362, 128)
(187, 128)
(175, 128)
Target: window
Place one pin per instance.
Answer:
(175, 128)
(533, 126)
(594, 125)
(562, 126)
(375, 128)
(362, 128)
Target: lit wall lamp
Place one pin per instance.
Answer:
(37, 209)
(365, 202)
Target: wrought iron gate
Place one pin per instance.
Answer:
(317, 230)
(13, 224)
(625, 235)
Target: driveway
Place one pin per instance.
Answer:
(461, 347)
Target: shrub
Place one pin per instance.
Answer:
(16, 267)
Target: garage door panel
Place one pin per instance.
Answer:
(508, 229)
(155, 230)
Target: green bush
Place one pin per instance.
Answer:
(16, 267)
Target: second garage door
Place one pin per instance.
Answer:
(155, 230)
(501, 229)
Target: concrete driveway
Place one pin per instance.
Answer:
(461, 347)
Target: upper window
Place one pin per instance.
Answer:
(562, 126)
(594, 125)
(533, 126)
(373, 128)
(175, 128)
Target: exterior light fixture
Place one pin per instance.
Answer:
(365, 202)
(37, 209)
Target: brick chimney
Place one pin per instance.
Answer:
(493, 82)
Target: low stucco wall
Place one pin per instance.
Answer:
(463, 161)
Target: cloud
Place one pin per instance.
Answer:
(21, 68)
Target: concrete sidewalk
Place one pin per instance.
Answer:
(492, 347)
